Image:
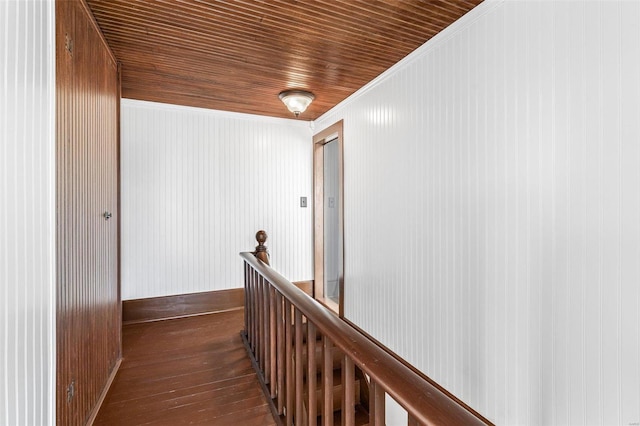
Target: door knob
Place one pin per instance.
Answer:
(107, 215)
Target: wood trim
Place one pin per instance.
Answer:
(319, 139)
(105, 391)
(306, 286)
(181, 305)
(185, 305)
(119, 203)
(318, 224)
(329, 304)
(325, 135)
(95, 26)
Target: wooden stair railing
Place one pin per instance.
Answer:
(295, 344)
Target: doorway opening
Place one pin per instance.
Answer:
(328, 229)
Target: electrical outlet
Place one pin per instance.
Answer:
(303, 201)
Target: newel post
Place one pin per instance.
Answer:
(261, 250)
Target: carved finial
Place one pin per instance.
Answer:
(261, 250)
(261, 237)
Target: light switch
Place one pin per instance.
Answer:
(303, 201)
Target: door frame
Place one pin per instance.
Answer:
(333, 132)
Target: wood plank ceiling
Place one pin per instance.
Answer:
(238, 55)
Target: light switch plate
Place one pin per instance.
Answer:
(303, 201)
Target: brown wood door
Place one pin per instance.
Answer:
(88, 306)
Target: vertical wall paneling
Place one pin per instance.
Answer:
(27, 213)
(197, 185)
(497, 169)
(88, 305)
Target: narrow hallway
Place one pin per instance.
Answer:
(186, 371)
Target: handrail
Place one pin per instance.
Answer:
(424, 402)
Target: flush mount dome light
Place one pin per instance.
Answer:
(296, 100)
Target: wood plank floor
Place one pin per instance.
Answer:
(186, 371)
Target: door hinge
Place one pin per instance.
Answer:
(71, 391)
(68, 44)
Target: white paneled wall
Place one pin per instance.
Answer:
(197, 185)
(27, 212)
(492, 210)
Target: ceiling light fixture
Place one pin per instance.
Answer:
(296, 100)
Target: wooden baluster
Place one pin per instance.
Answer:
(267, 332)
(311, 374)
(298, 417)
(251, 331)
(348, 392)
(254, 320)
(246, 298)
(327, 381)
(258, 307)
(247, 308)
(288, 370)
(264, 327)
(280, 336)
(376, 404)
(254, 300)
(264, 323)
(272, 342)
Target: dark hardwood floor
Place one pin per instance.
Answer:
(186, 371)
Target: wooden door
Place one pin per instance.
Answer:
(88, 301)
